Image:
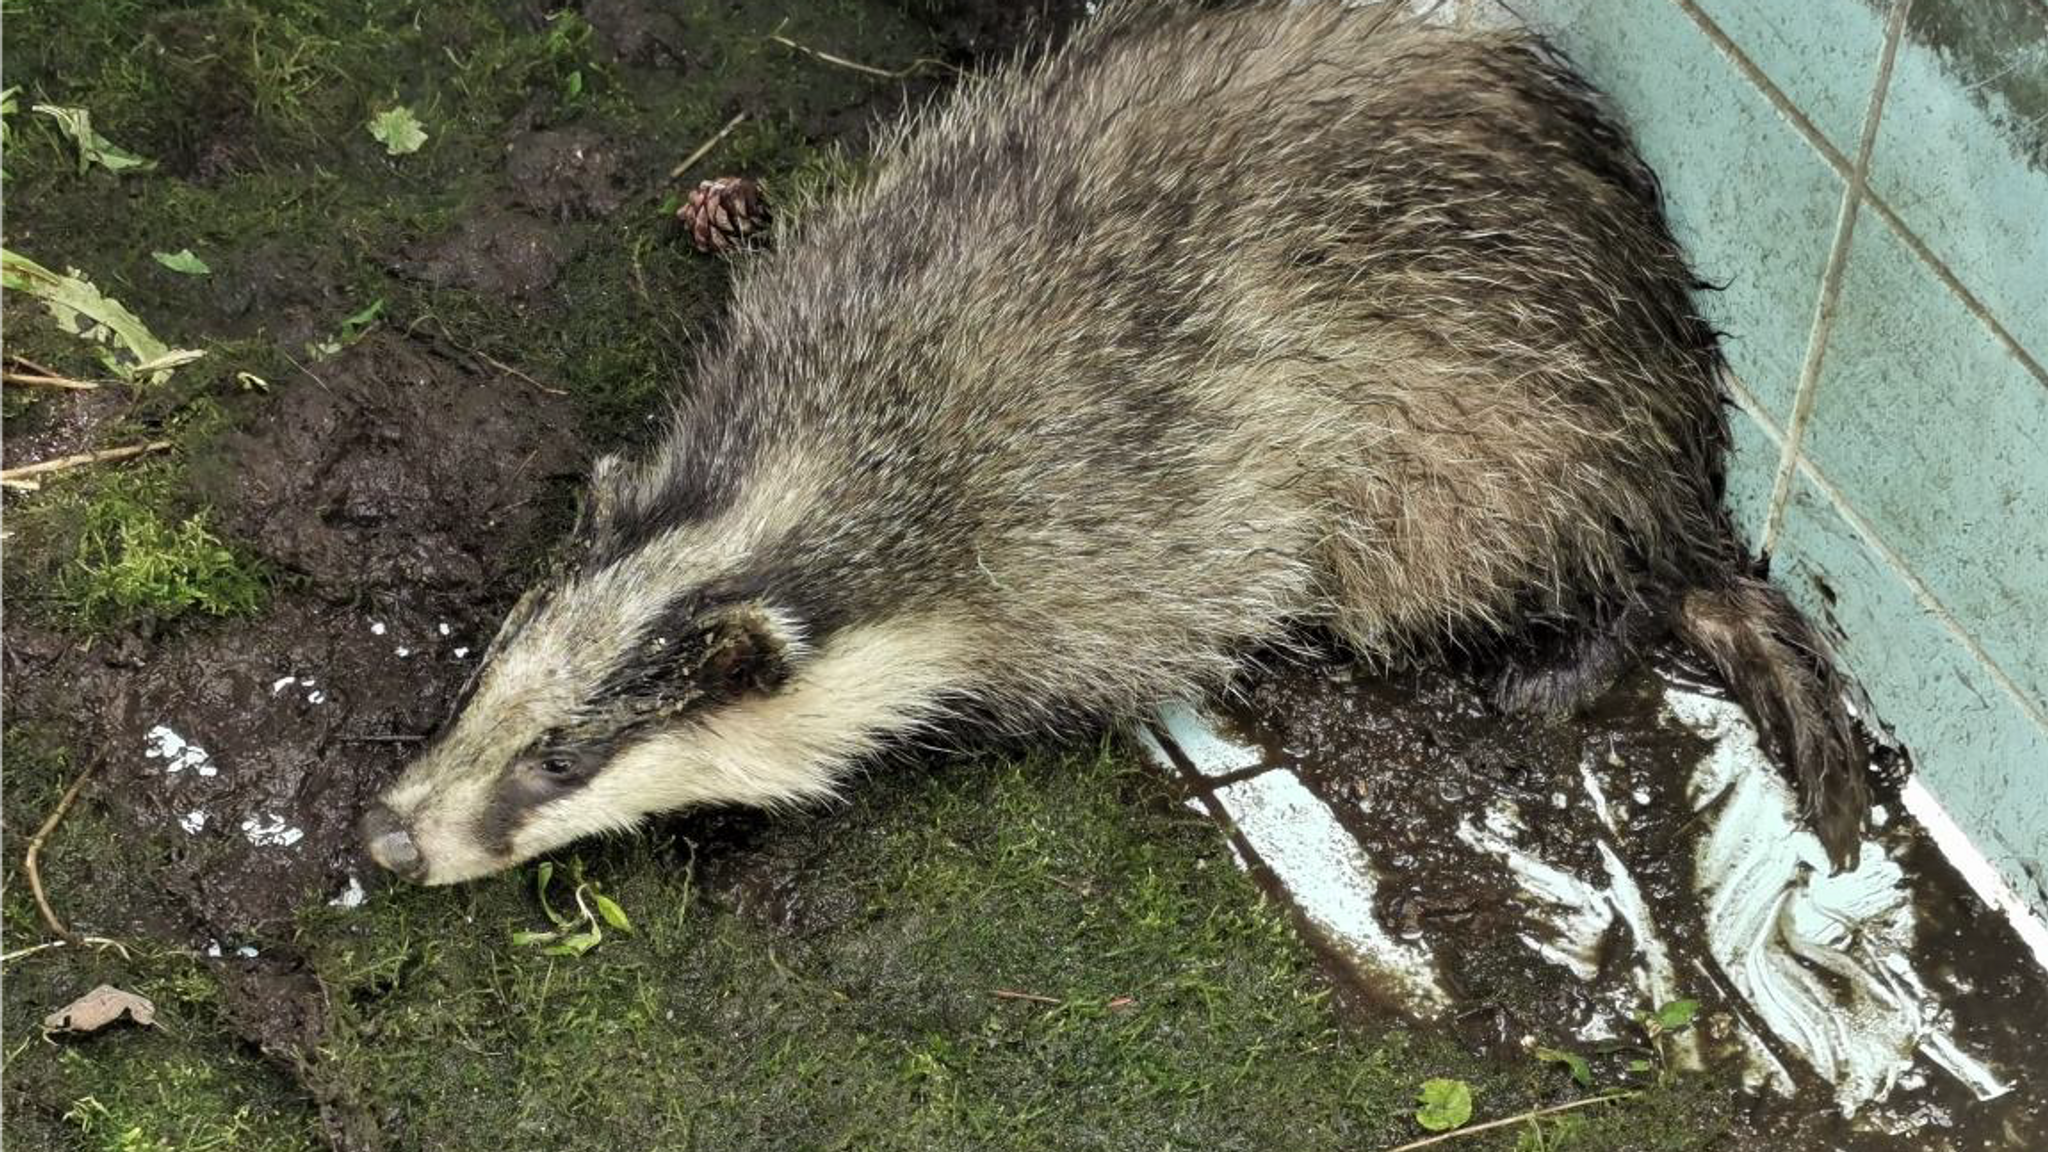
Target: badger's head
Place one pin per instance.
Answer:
(647, 675)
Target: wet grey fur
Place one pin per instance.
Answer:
(1211, 329)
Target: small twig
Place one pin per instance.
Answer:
(30, 860)
(43, 381)
(88, 941)
(1515, 1119)
(705, 148)
(509, 370)
(19, 477)
(1006, 994)
(44, 376)
(493, 361)
(899, 74)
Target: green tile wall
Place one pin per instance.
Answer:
(1891, 448)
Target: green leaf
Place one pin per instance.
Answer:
(93, 148)
(573, 86)
(1446, 1104)
(1581, 1071)
(182, 261)
(1677, 1015)
(610, 910)
(522, 939)
(361, 322)
(577, 944)
(1639, 1065)
(80, 308)
(9, 105)
(398, 130)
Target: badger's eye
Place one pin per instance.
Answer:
(558, 767)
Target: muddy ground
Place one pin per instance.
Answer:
(239, 640)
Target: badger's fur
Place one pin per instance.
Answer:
(1212, 327)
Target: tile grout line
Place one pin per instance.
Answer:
(1825, 309)
(1844, 168)
(1867, 532)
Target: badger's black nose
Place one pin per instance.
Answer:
(390, 845)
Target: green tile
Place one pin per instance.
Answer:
(1823, 54)
(1752, 469)
(1962, 151)
(1935, 434)
(1748, 196)
(1974, 747)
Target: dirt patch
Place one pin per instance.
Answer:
(62, 424)
(505, 253)
(637, 32)
(567, 172)
(395, 469)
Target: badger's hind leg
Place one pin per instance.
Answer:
(1559, 670)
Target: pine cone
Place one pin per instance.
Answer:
(725, 213)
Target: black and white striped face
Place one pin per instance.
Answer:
(662, 671)
(602, 700)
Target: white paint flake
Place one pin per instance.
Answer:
(403, 652)
(193, 822)
(351, 896)
(442, 628)
(271, 832)
(462, 653)
(177, 753)
(376, 628)
(281, 683)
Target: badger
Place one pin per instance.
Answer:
(1210, 332)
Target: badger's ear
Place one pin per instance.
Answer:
(749, 647)
(597, 516)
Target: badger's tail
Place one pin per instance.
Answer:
(1782, 672)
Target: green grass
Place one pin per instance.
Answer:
(133, 563)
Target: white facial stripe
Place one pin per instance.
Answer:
(786, 747)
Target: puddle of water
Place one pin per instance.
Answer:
(1649, 853)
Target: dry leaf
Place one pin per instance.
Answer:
(98, 1008)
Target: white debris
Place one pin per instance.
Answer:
(403, 652)
(176, 752)
(461, 653)
(248, 952)
(1571, 918)
(282, 683)
(376, 628)
(1332, 882)
(316, 697)
(212, 948)
(1824, 960)
(442, 628)
(271, 832)
(351, 896)
(193, 822)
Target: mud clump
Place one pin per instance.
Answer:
(637, 32)
(566, 173)
(395, 469)
(503, 253)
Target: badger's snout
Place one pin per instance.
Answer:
(390, 844)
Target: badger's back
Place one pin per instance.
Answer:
(1212, 324)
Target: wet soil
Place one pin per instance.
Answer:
(1405, 762)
